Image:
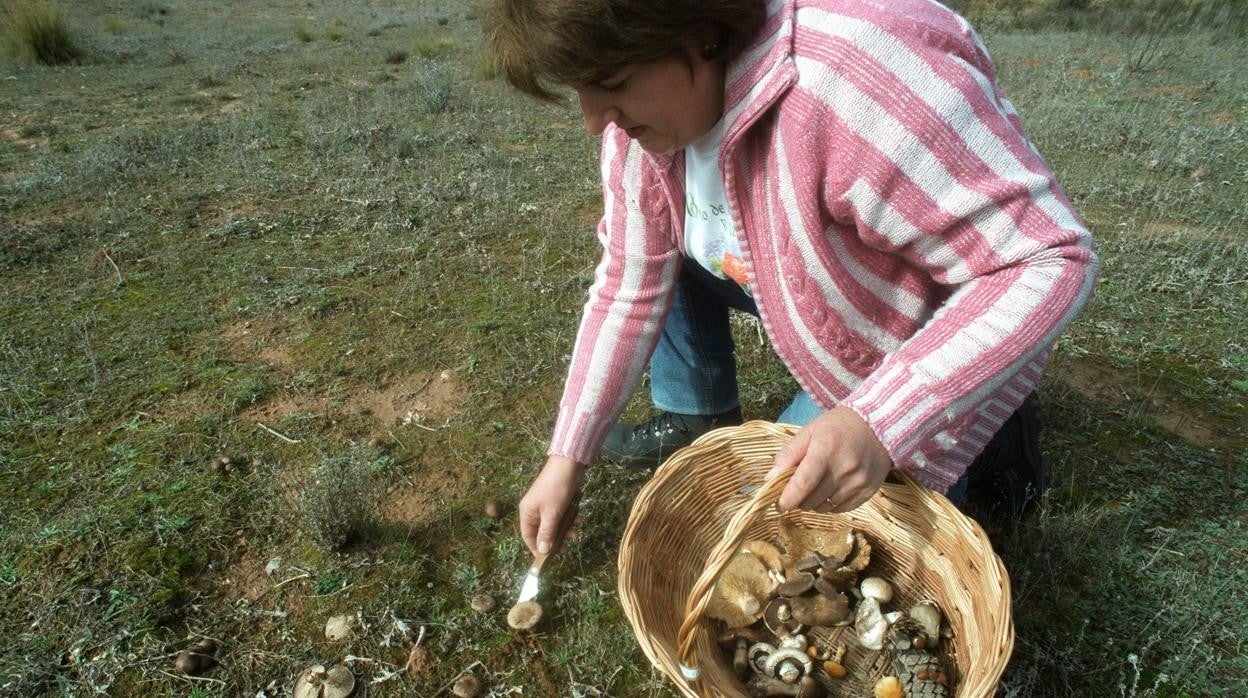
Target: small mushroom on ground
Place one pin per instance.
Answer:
(482, 603)
(339, 628)
(224, 464)
(467, 686)
(196, 659)
(494, 509)
(738, 596)
(319, 682)
(524, 615)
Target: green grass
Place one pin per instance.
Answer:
(272, 248)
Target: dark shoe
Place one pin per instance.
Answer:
(648, 444)
(1009, 477)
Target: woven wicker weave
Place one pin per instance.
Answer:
(709, 498)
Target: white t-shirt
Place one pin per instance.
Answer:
(710, 238)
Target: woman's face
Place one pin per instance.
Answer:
(664, 105)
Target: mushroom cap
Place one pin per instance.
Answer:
(524, 615)
(889, 687)
(759, 652)
(877, 588)
(928, 615)
(774, 664)
(741, 590)
(317, 682)
(821, 610)
(339, 683)
(767, 553)
(192, 662)
(861, 556)
(838, 579)
(467, 686)
(796, 584)
(339, 628)
(778, 617)
(798, 541)
(869, 624)
(482, 603)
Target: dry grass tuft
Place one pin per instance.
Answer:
(36, 30)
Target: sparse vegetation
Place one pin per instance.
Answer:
(263, 252)
(433, 48)
(36, 30)
(339, 500)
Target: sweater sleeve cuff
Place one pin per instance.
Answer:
(579, 436)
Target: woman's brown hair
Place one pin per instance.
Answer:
(576, 42)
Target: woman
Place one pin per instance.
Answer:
(846, 169)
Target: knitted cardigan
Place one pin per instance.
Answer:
(911, 255)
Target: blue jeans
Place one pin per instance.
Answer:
(693, 369)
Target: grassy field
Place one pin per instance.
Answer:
(320, 239)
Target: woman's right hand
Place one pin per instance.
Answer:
(548, 499)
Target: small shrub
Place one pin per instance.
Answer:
(112, 26)
(36, 30)
(302, 34)
(433, 48)
(339, 500)
(433, 89)
(396, 57)
(335, 34)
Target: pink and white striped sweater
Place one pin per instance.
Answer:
(911, 254)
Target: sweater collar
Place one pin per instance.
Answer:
(756, 78)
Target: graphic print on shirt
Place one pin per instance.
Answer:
(715, 244)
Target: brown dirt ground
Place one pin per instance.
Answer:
(1106, 384)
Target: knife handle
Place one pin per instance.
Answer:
(569, 515)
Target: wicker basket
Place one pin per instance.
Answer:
(709, 498)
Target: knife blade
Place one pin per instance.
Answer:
(532, 581)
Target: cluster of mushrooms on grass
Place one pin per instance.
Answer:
(792, 612)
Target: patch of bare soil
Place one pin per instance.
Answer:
(1110, 386)
(245, 578)
(258, 339)
(14, 136)
(1224, 118)
(426, 494)
(419, 400)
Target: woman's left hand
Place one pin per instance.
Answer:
(840, 464)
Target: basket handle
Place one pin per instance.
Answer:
(734, 535)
